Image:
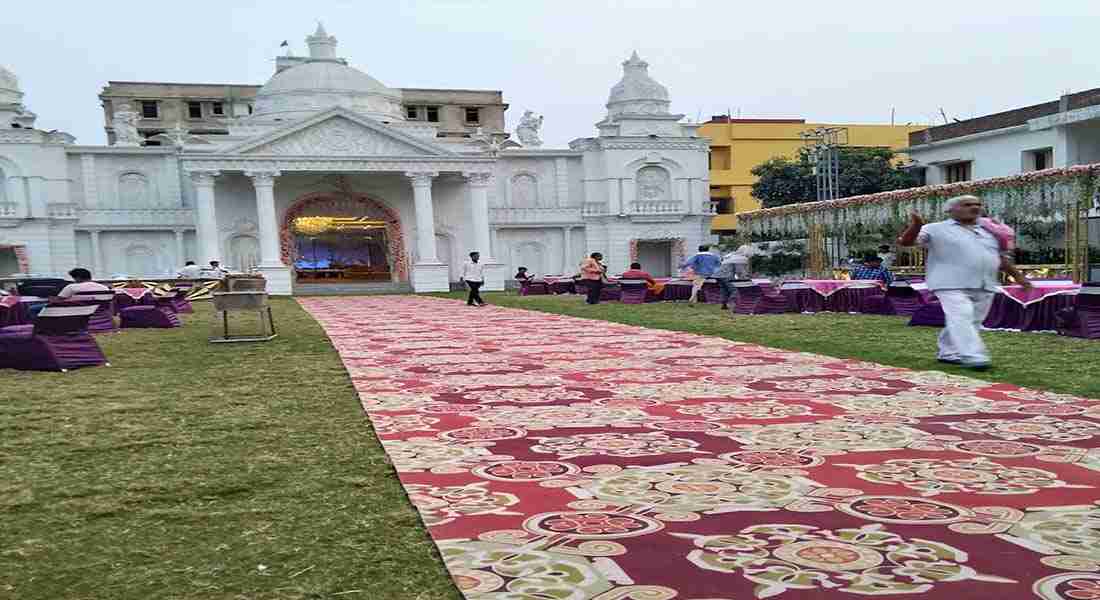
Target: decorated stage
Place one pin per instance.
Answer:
(556, 457)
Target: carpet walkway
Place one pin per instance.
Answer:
(559, 458)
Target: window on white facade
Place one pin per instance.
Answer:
(150, 109)
(1038, 159)
(412, 113)
(194, 110)
(249, 109)
(217, 108)
(432, 113)
(473, 115)
(956, 172)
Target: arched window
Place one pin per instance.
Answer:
(525, 191)
(141, 261)
(133, 190)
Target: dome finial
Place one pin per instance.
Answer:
(635, 61)
(321, 44)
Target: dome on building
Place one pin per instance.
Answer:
(637, 93)
(323, 81)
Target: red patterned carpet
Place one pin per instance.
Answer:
(565, 459)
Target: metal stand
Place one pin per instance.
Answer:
(228, 302)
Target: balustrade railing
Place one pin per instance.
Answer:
(656, 207)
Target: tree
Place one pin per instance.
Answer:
(785, 181)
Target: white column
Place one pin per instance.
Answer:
(567, 257)
(180, 251)
(97, 255)
(206, 226)
(264, 184)
(428, 274)
(279, 280)
(479, 217)
(479, 213)
(425, 216)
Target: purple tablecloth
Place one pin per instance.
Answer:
(1007, 313)
(842, 300)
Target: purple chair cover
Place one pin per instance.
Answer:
(901, 300)
(57, 341)
(712, 292)
(804, 300)
(124, 300)
(566, 286)
(181, 303)
(143, 317)
(103, 320)
(16, 314)
(1083, 320)
(930, 314)
(580, 287)
(611, 291)
(751, 300)
(748, 295)
(533, 288)
(677, 290)
(634, 291)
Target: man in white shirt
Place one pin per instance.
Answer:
(887, 257)
(962, 266)
(83, 283)
(189, 271)
(214, 271)
(473, 274)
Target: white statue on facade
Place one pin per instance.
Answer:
(126, 131)
(528, 129)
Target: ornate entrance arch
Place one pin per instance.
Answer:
(351, 205)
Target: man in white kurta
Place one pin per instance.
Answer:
(962, 267)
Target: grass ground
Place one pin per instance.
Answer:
(1044, 361)
(197, 470)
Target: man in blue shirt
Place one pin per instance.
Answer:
(872, 269)
(703, 264)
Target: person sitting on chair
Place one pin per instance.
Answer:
(83, 283)
(872, 269)
(635, 272)
(189, 271)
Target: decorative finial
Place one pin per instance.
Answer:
(320, 30)
(635, 61)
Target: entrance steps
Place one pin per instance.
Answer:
(351, 289)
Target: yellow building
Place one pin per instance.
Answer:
(738, 145)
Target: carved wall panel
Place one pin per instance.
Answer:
(652, 184)
(244, 252)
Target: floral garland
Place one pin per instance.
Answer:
(22, 258)
(395, 238)
(1035, 203)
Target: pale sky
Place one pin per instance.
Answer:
(845, 62)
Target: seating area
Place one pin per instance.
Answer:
(48, 333)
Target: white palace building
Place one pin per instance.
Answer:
(325, 174)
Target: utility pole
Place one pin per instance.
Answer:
(824, 143)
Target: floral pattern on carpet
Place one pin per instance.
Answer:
(553, 457)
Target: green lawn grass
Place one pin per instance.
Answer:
(181, 469)
(1043, 361)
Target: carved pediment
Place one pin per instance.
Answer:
(339, 133)
(338, 137)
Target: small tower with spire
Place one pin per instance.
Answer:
(322, 46)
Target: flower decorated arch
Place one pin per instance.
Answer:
(21, 256)
(359, 204)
